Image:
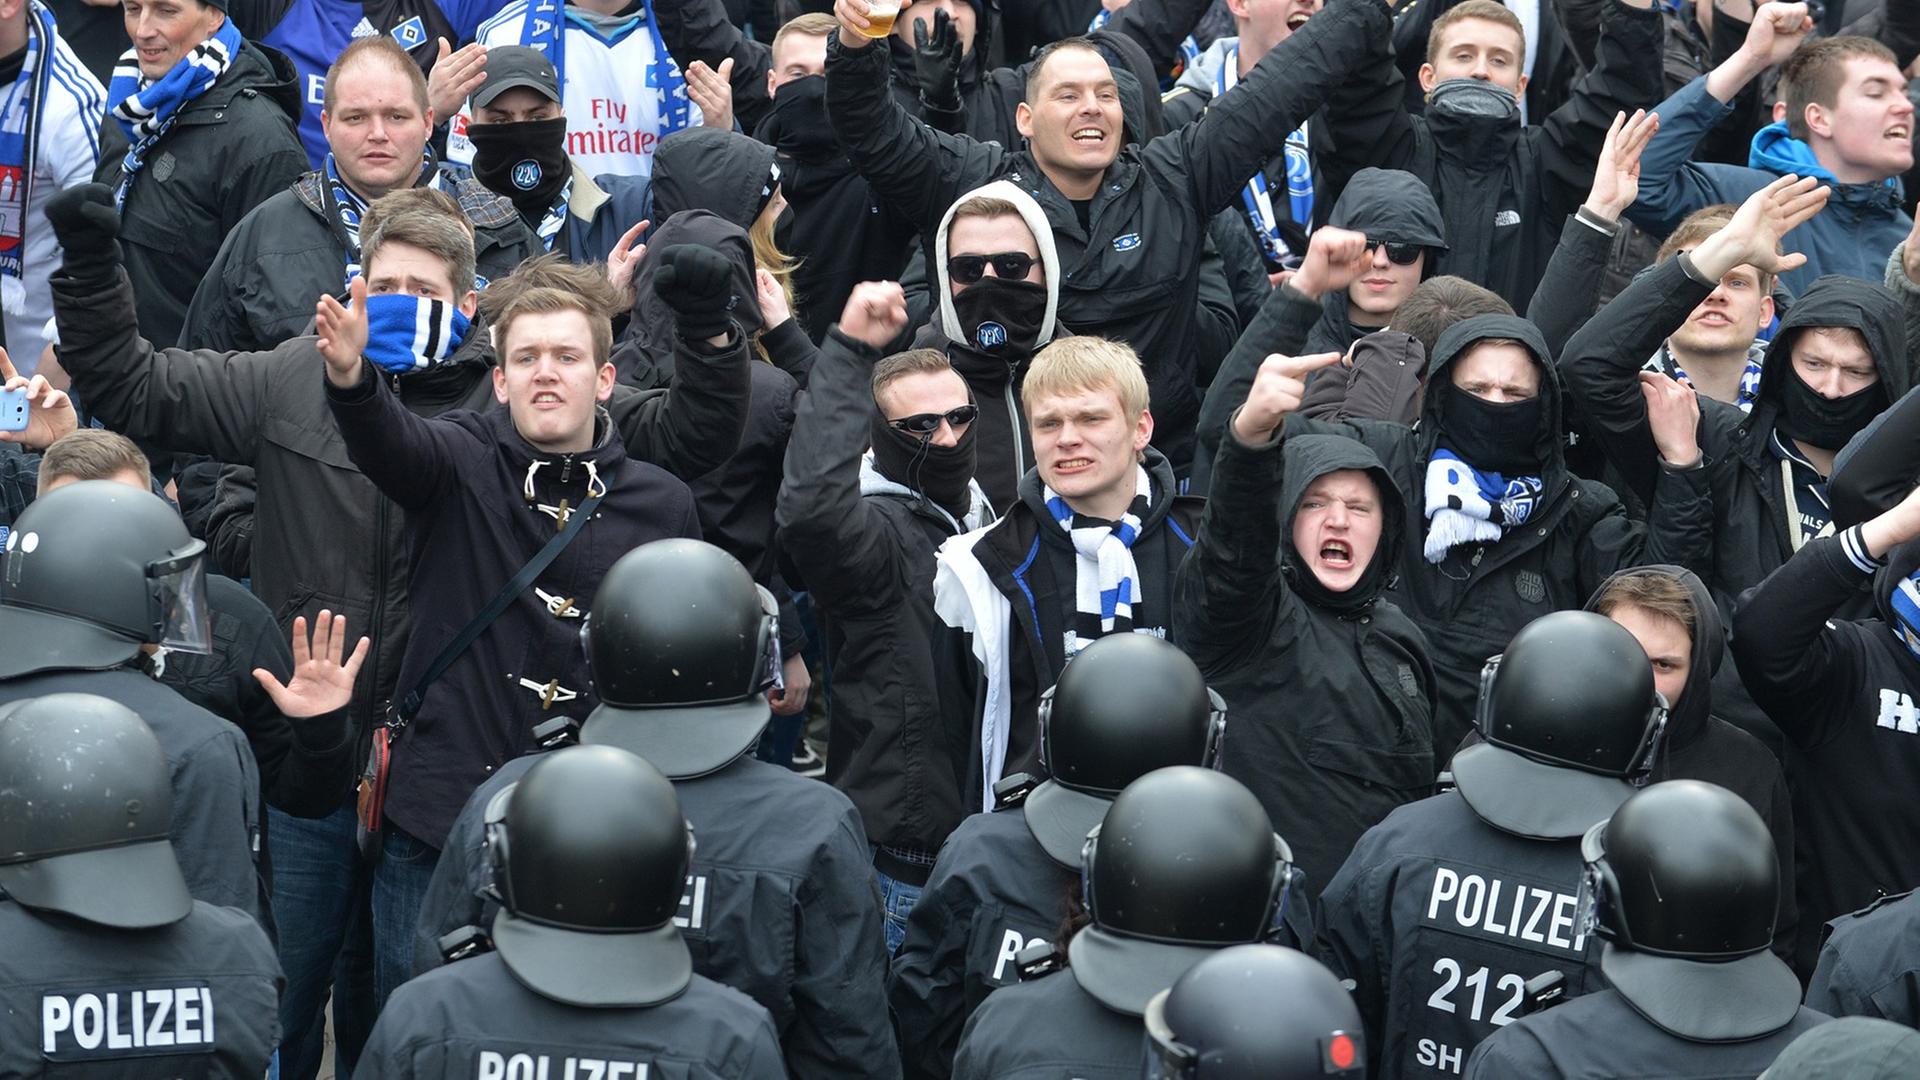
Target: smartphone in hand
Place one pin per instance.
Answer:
(13, 409)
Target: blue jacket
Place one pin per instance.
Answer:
(601, 210)
(1852, 235)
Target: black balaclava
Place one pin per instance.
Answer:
(941, 473)
(1827, 423)
(1500, 437)
(1001, 317)
(797, 126)
(525, 161)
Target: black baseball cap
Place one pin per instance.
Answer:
(510, 66)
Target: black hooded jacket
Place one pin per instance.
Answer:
(707, 168)
(1843, 692)
(1479, 594)
(1389, 205)
(1701, 746)
(1749, 533)
(1330, 695)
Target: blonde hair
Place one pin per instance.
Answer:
(812, 24)
(1075, 365)
(548, 284)
(768, 256)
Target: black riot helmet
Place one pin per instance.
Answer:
(1570, 720)
(683, 646)
(93, 571)
(589, 854)
(1684, 883)
(1186, 862)
(1127, 705)
(1254, 1012)
(85, 805)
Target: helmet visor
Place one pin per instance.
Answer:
(1166, 1057)
(1216, 730)
(178, 585)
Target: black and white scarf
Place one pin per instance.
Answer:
(1106, 580)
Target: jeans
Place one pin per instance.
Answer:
(399, 886)
(318, 886)
(896, 902)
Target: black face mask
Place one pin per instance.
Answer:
(1471, 116)
(941, 473)
(797, 126)
(1825, 422)
(1491, 436)
(1000, 317)
(526, 162)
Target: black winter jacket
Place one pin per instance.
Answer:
(1479, 595)
(1842, 692)
(291, 250)
(1750, 534)
(229, 150)
(1330, 695)
(1505, 190)
(900, 701)
(480, 502)
(325, 537)
(1131, 273)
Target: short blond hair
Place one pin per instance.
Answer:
(812, 24)
(1076, 365)
(548, 284)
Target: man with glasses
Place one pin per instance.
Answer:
(999, 290)
(862, 526)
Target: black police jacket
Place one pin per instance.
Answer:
(1131, 273)
(993, 892)
(1600, 1036)
(229, 150)
(474, 1019)
(1870, 963)
(198, 997)
(1843, 693)
(216, 824)
(1440, 919)
(1048, 1029)
(1329, 695)
(780, 905)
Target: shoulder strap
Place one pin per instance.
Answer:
(471, 632)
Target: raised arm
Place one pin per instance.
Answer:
(699, 30)
(1570, 287)
(1159, 26)
(1626, 76)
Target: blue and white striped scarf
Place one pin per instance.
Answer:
(412, 333)
(1749, 392)
(146, 108)
(545, 29)
(1462, 503)
(1106, 581)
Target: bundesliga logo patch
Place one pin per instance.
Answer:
(526, 175)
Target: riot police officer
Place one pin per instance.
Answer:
(1682, 886)
(1185, 863)
(586, 856)
(1254, 1012)
(780, 903)
(1129, 704)
(99, 576)
(1870, 963)
(111, 968)
(1446, 910)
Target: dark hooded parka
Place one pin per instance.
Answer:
(1391, 206)
(1476, 597)
(1701, 746)
(1755, 525)
(1329, 694)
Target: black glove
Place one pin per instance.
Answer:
(697, 283)
(936, 60)
(86, 223)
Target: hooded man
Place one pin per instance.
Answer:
(1406, 240)
(1510, 533)
(861, 525)
(199, 132)
(1281, 602)
(1670, 612)
(1837, 360)
(998, 279)
(1506, 188)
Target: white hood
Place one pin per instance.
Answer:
(1036, 220)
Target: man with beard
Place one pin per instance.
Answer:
(999, 289)
(862, 526)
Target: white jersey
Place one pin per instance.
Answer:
(67, 154)
(613, 116)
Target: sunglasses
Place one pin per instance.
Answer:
(927, 423)
(967, 269)
(1398, 254)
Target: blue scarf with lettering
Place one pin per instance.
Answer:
(19, 132)
(146, 108)
(1255, 198)
(411, 333)
(545, 29)
(1465, 505)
